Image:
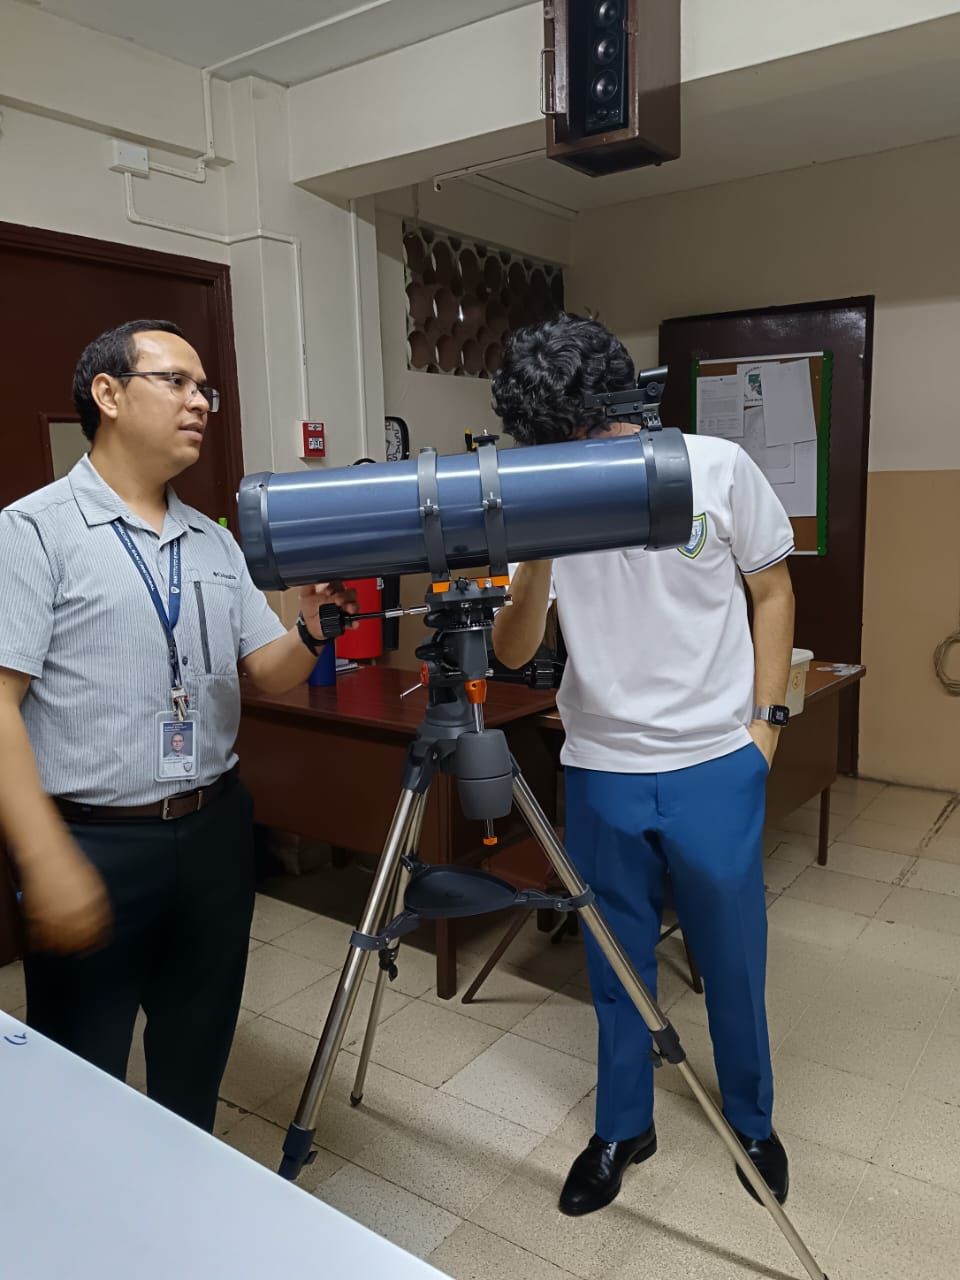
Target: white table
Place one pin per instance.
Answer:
(99, 1183)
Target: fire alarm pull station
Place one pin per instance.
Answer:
(314, 444)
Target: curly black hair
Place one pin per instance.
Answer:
(546, 371)
(113, 352)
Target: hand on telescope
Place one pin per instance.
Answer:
(313, 598)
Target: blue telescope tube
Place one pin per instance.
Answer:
(559, 499)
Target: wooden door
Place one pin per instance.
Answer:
(58, 292)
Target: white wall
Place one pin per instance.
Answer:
(883, 224)
(54, 174)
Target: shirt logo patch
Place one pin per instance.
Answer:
(698, 536)
(231, 577)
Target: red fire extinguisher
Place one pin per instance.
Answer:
(365, 640)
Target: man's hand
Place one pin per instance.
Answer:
(64, 900)
(313, 598)
(766, 736)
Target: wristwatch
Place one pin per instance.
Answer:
(777, 716)
(303, 631)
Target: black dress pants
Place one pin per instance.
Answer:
(182, 896)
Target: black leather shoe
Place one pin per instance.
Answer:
(771, 1161)
(595, 1176)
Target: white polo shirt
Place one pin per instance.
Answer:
(660, 670)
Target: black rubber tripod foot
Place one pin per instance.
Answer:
(296, 1152)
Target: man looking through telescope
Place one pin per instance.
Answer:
(671, 717)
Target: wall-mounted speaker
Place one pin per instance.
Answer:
(611, 83)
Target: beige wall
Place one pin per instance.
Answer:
(882, 225)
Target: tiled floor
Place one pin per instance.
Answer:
(472, 1114)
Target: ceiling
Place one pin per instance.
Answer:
(892, 90)
(212, 32)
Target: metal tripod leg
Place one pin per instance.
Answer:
(663, 1033)
(296, 1146)
(394, 903)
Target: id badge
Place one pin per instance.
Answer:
(176, 743)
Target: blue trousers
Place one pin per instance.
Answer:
(703, 828)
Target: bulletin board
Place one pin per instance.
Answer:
(785, 431)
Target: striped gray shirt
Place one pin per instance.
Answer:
(77, 617)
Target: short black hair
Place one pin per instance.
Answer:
(114, 352)
(547, 369)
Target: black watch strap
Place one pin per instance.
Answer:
(311, 641)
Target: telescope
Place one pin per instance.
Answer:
(488, 507)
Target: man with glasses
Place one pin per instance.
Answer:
(129, 612)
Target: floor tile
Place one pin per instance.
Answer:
(709, 1204)
(895, 1228)
(523, 1210)
(883, 835)
(846, 1112)
(845, 803)
(950, 1019)
(12, 992)
(271, 918)
(935, 877)
(952, 825)
(266, 1058)
(913, 948)
(263, 1142)
(938, 1071)
(873, 864)
(273, 975)
(834, 889)
(534, 956)
(874, 1020)
(307, 1010)
(566, 1021)
(327, 941)
(809, 922)
(907, 807)
(525, 1082)
(937, 911)
(793, 847)
(391, 1211)
(923, 1142)
(504, 999)
(941, 848)
(427, 1042)
(779, 874)
(797, 965)
(864, 787)
(472, 1253)
(439, 1147)
(806, 822)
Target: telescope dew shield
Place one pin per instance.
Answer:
(560, 499)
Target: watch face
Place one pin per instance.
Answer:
(397, 439)
(779, 716)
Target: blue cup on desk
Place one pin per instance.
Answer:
(325, 672)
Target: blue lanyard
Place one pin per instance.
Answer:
(168, 616)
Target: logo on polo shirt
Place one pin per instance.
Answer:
(698, 536)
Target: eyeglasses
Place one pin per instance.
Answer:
(182, 385)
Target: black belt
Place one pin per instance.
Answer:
(176, 806)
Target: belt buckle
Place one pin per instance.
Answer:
(165, 813)
(199, 800)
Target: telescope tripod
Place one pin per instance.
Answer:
(452, 739)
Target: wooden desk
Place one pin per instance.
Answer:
(806, 761)
(326, 763)
(805, 765)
